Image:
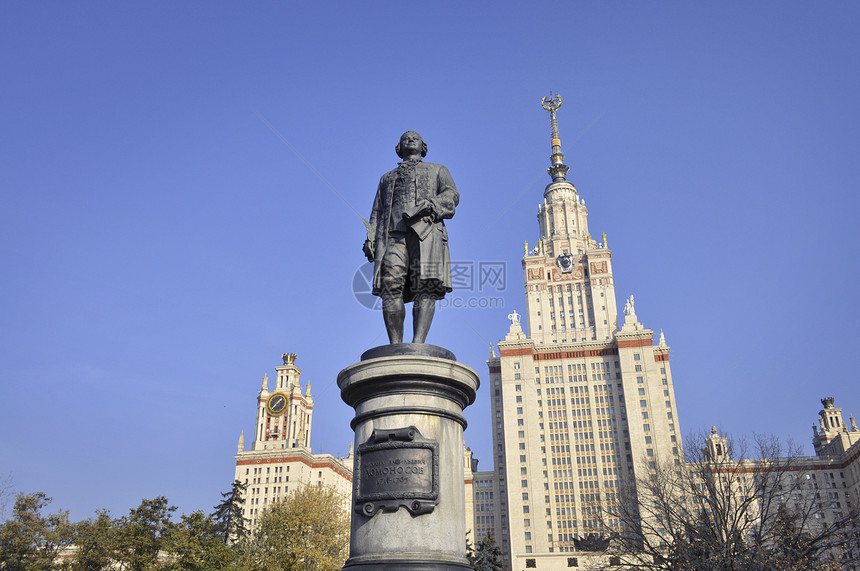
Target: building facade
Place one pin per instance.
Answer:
(819, 493)
(280, 456)
(580, 406)
(822, 489)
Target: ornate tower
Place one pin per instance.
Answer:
(834, 437)
(280, 458)
(581, 407)
(284, 415)
(570, 295)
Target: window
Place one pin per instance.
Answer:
(572, 562)
(530, 562)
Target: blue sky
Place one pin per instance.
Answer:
(181, 185)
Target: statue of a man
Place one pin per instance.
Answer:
(407, 239)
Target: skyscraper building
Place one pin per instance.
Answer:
(580, 405)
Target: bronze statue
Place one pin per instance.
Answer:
(407, 239)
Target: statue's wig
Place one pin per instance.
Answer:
(423, 145)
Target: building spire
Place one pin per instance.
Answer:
(557, 170)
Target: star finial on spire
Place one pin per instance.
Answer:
(558, 170)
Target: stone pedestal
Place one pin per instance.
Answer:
(408, 492)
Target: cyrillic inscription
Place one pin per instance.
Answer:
(397, 471)
(397, 468)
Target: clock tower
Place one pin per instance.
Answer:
(280, 458)
(284, 415)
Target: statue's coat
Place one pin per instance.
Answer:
(432, 182)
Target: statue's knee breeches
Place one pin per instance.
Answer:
(395, 267)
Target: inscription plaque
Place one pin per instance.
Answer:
(397, 468)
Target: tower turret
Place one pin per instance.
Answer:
(569, 275)
(834, 436)
(284, 415)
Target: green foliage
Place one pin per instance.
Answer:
(30, 541)
(308, 531)
(195, 545)
(488, 555)
(96, 543)
(143, 533)
(230, 524)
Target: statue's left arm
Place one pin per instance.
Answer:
(447, 197)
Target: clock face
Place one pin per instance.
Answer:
(276, 404)
(565, 262)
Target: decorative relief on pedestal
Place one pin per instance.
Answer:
(397, 468)
(598, 267)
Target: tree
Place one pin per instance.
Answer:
(96, 542)
(720, 511)
(488, 555)
(230, 524)
(143, 533)
(195, 545)
(308, 531)
(30, 541)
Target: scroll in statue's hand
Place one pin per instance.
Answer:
(423, 208)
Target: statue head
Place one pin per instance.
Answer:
(408, 140)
